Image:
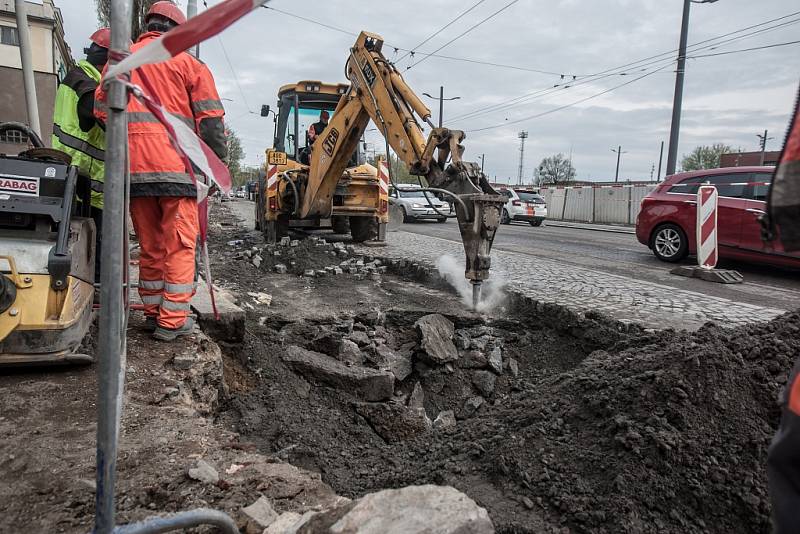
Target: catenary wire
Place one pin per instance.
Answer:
(440, 30)
(565, 106)
(465, 32)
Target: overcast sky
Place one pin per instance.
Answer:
(728, 98)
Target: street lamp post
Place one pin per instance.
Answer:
(441, 100)
(619, 152)
(672, 156)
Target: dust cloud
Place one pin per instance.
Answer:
(493, 291)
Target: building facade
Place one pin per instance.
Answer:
(51, 58)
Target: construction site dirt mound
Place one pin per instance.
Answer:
(550, 420)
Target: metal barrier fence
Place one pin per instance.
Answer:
(610, 204)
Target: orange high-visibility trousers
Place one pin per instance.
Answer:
(167, 228)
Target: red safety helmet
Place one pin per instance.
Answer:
(168, 10)
(102, 37)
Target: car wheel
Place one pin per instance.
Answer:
(669, 243)
(537, 223)
(406, 217)
(505, 218)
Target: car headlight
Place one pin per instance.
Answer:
(415, 205)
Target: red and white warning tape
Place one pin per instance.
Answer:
(194, 31)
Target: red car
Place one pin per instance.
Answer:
(667, 219)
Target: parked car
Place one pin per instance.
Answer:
(667, 219)
(241, 194)
(416, 207)
(523, 205)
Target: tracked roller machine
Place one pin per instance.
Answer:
(46, 257)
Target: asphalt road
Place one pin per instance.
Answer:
(614, 253)
(622, 254)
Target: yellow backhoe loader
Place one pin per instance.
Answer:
(360, 204)
(302, 184)
(46, 256)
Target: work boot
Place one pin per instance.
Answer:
(150, 324)
(171, 334)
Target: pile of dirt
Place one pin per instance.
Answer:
(668, 436)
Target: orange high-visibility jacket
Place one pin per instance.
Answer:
(185, 87)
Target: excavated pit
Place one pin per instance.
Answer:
(550, 420)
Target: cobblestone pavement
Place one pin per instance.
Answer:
(581, 289)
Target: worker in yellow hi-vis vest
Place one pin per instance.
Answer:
(77, 132)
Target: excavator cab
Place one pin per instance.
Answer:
(359, 203)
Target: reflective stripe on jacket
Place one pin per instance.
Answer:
(87, 149)
(185, 87)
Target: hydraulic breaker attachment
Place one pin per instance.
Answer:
(478, 226)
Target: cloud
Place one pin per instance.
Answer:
(727, 98)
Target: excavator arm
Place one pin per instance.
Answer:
(379, 93)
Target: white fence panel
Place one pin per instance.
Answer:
(580, 204)
(612, 205)
(555, 204)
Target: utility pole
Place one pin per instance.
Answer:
(763, 142)
(191, 11)
(660, 159)
(441, 102)
(28, 79)
(652, 170)
(522, 136)
(483, 160)
(619, 156)
(672, 157)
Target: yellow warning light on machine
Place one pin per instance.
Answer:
(276, 158)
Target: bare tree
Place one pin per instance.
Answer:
(555, 170)
(140, 8)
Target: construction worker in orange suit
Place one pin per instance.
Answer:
(163, 197)
(783, 458)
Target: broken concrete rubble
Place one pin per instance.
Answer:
(367, 384)
(445, 420)
(255, 518)
(496, 360)
(472, 405)
(349, 353)
(436, 339)
(413, 509)
(202, 471)
(484, 382)
(394, 422)
(398, 363)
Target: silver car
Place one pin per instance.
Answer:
(417, 207)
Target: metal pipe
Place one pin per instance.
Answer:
(191, 11)
(111, 337)
(672, 155)
(182, 520)
(28, 78)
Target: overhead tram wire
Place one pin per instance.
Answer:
(565, 106)
(465, 32)
(638, 64)
(440, 30)
(521, 68)
(741, 50)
